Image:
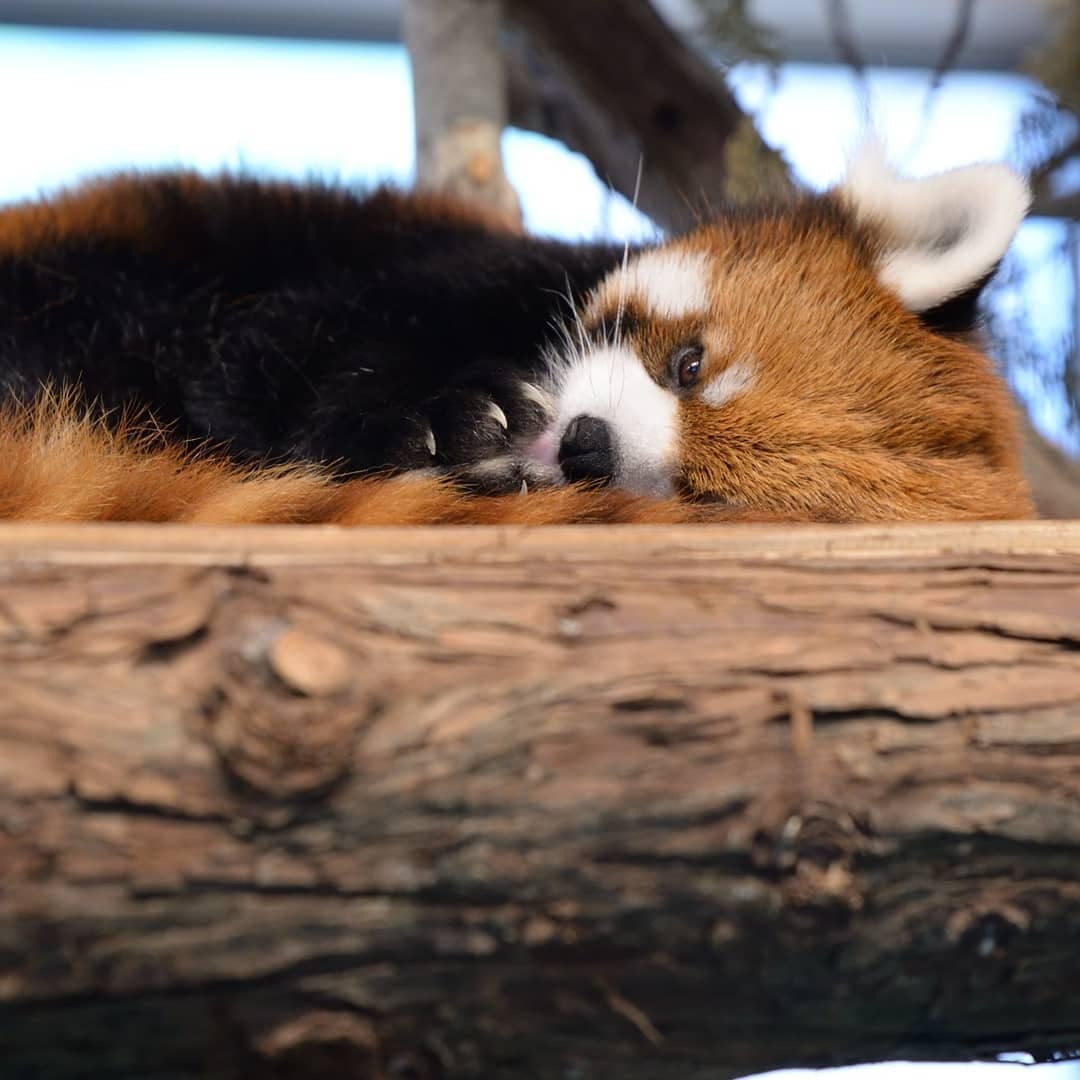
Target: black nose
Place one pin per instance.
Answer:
(586, 451)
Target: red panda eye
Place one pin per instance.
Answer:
(686, 364)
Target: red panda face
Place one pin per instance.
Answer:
(784, 360)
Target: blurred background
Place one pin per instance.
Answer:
(323, 87)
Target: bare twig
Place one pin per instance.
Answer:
(1064, 206)
(1059, 157)
(950, 53)
(843, 38)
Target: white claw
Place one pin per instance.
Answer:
(524, 487)
(536, 395)
(429, 442)
(498, 416)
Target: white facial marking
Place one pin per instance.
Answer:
(734, 380)
(611, 384)
(669, 284)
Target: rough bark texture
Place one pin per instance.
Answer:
(459, 88)
(565, 803)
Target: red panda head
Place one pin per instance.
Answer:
(812, 359)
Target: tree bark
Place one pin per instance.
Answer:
(1054, 476)
(459, 87)
(641, 802)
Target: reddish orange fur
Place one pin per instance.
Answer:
(121, 207)
(58, 465)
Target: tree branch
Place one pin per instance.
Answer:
(950, 53)
(509, 804)
(459, 88)
(1053, 475)
(843, 39)
(1057, 206)
(650, 99)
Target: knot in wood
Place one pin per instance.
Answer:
(817, 850)
(282, 752)
(309, 665)
(481, 168)
(287, 717)
(988, 927)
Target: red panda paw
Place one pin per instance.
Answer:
(507, 474)
(476, 423)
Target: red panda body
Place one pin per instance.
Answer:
(806, 362)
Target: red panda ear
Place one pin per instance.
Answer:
(942, 236)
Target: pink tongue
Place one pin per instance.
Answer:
(545, 449)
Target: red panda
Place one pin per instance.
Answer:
(307, 355)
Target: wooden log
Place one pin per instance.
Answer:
(594, 802)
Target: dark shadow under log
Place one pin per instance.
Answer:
(586, 803)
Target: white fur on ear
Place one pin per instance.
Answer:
(942, 234)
